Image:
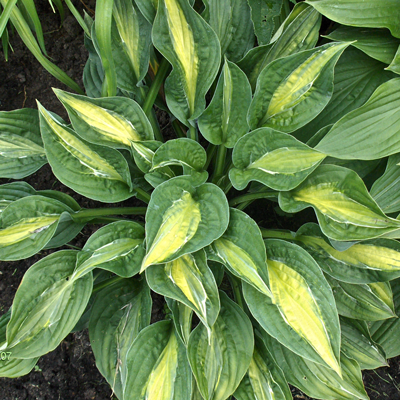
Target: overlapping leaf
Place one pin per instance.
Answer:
(10, 192)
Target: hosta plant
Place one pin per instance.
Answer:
(265, 104)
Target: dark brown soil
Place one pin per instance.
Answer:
(69, 372)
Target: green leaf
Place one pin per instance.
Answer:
(302, 313)
(28, 224)
(148, 8)
(243, 255)
(293, 90)
(157, 365)
(188, 280)
(181, 219)
(231, 21)
(273, 158)
(114, 325)
(21, 147)
(10, 192)
(358, 128)
(93, 73)
(262, 14)
(5, 14)
(344, 208)
(193, 49)
(349, 12)
(182, 317)
(395, 64)
(94, 171)
(219, 360)
(376, 43)
(224, 120)
(47, 305)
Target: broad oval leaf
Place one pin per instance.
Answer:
(188, 280)
(220, 360)
(193, 49)
(182, 219)
(47, 305)
(243, 255)
(358, 129)
(97, 172)
(273, 158)
(114, 325)
(293, 90)
(344, 208)
(224, 120)
(302, 313)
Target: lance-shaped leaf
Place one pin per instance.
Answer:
(111, 121)
(114, 325)
(28, 224)
(47, 305)
(358, 129)
(293, 90)
(182, 317)
(386, 189)
(360, 301)
(193, 49)
(220, 360)
(273, 158)
(395, 64)
(157, 365)
(316, 380)
(224, 120)
(265, 380)
(188, 280)
(368, 261)
(377, 43)
(182, 219)
(148, 8)
(302, 313)
(117, 247)
(10, 192)
(93, 73)
(299, 32)
(344, 208)
(231, 21)
(349, 12)
(357, 76)
(243, 255)
(358, 344)
(387, 332)
(21, 147)
(94, 171)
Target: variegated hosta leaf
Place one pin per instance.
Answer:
(224, 120)
(182, 219)
(299, 32)
(360, 301)
(97, 172)
(293, 90)
(243, 254)
(357, 76)
(369, 261)
(188, 280)
(21, 147)
(193, 49)
(135, 33)
(114, 325)
(302, 313)
(377, 43)
(349, 12)
(264, 380)
(387, 332)
(47, 305)
(316, 380)
(157, 365)
(182, 317)
(117, 247)
(219, 360)
(28, 224)
(231, 21)
(143, 153)
(344, 208)
(273, 158)
(358, 129)
(111, 121)
(386, 189)
(358, 344)
(10, 192)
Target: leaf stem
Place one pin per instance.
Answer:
(267, 194)
(177, 128)
(88, 214)
(142, 195)
(276, 234)
(192, 134)
(211, 149)
(220, 164)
